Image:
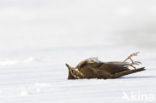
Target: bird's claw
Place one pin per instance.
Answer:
(134, 54)
(137, 63)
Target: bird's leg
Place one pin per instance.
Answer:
(130, 57)
(132, 64)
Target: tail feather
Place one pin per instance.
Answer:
(127, 72)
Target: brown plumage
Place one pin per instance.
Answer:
(93, 68)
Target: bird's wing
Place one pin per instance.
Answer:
(119, 63)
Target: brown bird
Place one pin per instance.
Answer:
(93, 68)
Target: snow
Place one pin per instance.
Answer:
(38, 37)
(43, 79)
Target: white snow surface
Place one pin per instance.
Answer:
(38, 37)
(41, 77)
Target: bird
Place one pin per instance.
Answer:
(93, 68)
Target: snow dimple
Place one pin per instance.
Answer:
(24, 93)
(25, 90)
(29, 60)
(18, 61)
(42, 84)
(8, 62)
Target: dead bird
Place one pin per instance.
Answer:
(93, 68)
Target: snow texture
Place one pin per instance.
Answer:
(38, 37)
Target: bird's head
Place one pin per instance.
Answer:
(74, 73)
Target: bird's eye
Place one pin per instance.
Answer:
(73, 72)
